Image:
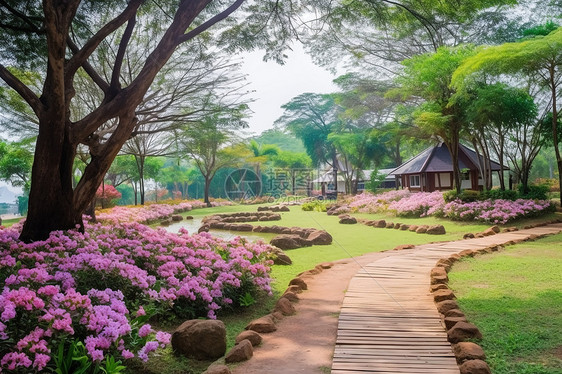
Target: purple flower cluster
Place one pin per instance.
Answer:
(145, 213)
(494, 211)
(88, 286)
(419, 204)
(369, 203)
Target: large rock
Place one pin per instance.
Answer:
(281, 257)
(421, 230)
(465, 351)
(242, 351)
(250, 335)
(489, 232)
(442, 295)
(299, 282)
(348, 220)
(380, 224)
(436, 230)
(200, 339)
(438, 271)
(291, 296)
(217, 369)
(404, 246)
(454, 313)
(264, 325)
(440, 286)
(285, 306)
(450, 322)
(320, 237)
(444, 306)
(475, 367)
(289, 241)
(463, 331)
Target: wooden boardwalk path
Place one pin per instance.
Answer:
(388, 321)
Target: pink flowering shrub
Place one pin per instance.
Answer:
(406, 204)
(494, 211)
(418, 204)
(97, 289)
(151, 213)
(144, 213)
(370, 203)
(107, 195)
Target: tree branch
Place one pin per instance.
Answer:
(89, 69)
(25, 92)
(28, 20)
(82, 55)
(114, 85)
(207, 24)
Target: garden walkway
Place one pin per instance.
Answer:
(388, 321)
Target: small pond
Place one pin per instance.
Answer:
(192, 225)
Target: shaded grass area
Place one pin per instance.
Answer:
(11, 221)
(515, 299)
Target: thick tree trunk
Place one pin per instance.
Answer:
(207, 188)
(51, 198)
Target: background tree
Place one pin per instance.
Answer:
(260, 153)
(296, 163)
(207, 143)
(495, 114)
(178, 176)
(539, 58)
(428, 77)
(311, 118)
(15, 164)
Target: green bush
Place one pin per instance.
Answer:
(317, 205)
(464, 195)
(499, 194)
(535, 192)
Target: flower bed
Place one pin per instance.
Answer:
(369, 203)
(404, 203)
(494, 211)
(151, 213)
(419, 204)
(142, 214)
(90, 295)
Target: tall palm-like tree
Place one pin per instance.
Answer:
(260, 153)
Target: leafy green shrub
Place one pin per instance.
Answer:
(535, 192)
(317, 205)
(450, 195)
(499, 194)
(464, 195)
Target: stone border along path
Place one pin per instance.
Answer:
(388, 321)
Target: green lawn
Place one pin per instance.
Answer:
(515, 298)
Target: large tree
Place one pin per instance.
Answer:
(428, 77)
(58, 39)
(539, 58)
(311, 118)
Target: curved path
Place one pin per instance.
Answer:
(386, 323)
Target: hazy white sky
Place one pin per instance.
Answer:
(276, 84)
